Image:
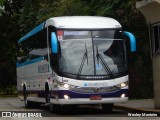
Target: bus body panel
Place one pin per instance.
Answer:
(81, 101)
(94, 82)
(33, 76)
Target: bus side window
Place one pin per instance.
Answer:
(21, 53)
(35, 47)
(21, 59)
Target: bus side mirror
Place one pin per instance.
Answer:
(54, 43)
(132, 40)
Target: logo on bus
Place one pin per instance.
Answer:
(96, 89)
(99, 84)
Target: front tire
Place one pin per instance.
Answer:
(107, 107)
(47, 93)
(25, 95)
(54, 108)
(29, 104)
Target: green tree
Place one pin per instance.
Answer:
(9, 35)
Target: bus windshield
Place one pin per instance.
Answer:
(92, 53)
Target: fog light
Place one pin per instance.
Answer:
(123, 95)
(66, 97)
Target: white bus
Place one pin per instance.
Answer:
(72, 61)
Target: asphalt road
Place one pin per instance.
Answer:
(13, 104)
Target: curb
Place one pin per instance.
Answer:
(130, 109)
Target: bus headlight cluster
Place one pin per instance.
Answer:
(122, 85)
(65, 85)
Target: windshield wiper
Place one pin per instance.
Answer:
(83, 60)
(103, 62)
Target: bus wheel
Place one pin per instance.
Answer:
(54, 108)
(47, 94)
(25, 95)
(107, 107)
(29, 104)
(69, 107)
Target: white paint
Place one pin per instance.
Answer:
(83, 22)
(88, 101)
(96, 83)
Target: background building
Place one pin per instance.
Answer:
(151, 10)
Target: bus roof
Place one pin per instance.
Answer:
(83, 22)
(75, 22)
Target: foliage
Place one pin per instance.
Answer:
(21, 16)
(9, 35)
(2, 2)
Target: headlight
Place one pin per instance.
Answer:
(65, 85)
(122, 85)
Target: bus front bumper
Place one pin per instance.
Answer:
(88, 101)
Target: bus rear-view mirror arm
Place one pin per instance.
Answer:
(54, 43)
(132, 40)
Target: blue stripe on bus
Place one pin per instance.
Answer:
(34, 31)
(72, 94)
(30, 62)
(61, 93)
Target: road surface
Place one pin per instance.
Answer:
(13, 104)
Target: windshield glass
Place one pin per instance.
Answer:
(79, 49)
(110, 45)
(73, 47)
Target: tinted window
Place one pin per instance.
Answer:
(32, 48)
(156, 40)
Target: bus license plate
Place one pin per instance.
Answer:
(95, 97)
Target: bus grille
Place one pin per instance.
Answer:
(95, 89)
